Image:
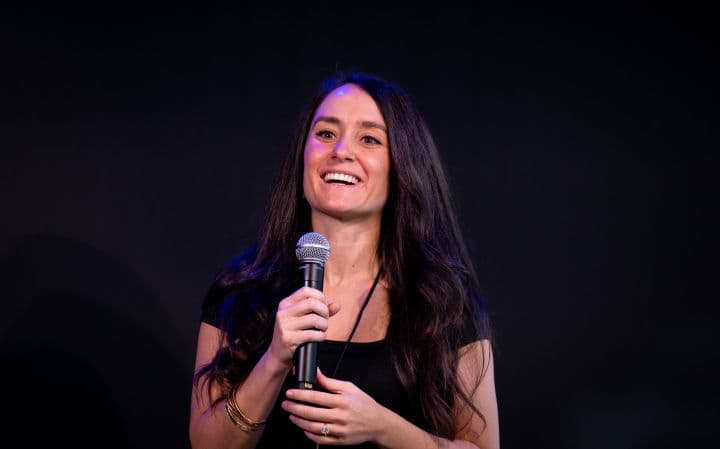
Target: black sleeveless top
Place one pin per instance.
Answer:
(367, 365)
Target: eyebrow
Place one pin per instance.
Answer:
(336, 121)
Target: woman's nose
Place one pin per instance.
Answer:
(343, 149)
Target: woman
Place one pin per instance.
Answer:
(404, 356)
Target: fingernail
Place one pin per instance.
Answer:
(289, 393)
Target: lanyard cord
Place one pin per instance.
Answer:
(357, 321)
(352, 332)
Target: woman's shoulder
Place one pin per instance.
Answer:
(225, 285)
(476, 324)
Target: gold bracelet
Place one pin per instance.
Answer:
(237, 423)
(237, 416)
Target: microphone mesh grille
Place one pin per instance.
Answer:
(312, 247)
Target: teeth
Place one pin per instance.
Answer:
(341, 177)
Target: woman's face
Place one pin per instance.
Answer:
(347, 157)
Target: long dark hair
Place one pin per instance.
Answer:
(434, 296)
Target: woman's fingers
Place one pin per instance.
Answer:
(333, 385)
(310, 315)
(304, 293)
(310, 335)
(350, 415)
(301, 317)
(309, 305)
(310, 322)
(314, 397)
(309, 412)
(314, 429)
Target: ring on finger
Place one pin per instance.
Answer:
(324, 430)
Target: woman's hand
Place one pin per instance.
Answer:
(346, 413)
(301, 317)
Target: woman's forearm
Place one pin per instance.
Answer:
(211, 428)
(398, 433)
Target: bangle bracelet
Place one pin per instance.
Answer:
(237, 416)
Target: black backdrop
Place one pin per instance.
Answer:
(138, 146)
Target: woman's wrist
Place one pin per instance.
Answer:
(273, 365)
(386, 422)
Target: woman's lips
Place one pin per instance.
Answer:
(340, 178)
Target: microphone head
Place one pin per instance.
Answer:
(312, 248)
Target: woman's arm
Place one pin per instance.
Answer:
(210, 427)
(300, 318)
(471, 432)
(477, 359)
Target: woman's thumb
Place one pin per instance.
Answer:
(333, 308)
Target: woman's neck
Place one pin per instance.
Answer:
(353, 248)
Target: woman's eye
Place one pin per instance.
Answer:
(370, 140)
(325, 134)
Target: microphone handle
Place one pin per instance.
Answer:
(306, 355)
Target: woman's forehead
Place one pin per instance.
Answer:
(350, 101)
(343, 90)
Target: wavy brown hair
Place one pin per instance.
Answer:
(435, 304)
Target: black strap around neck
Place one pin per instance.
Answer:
(357, 321)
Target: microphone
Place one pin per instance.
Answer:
(312, 250)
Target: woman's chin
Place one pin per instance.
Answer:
(343, 213)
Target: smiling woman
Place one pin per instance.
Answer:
(346, 158)
(404, 341)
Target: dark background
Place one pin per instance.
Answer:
(139, 144)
